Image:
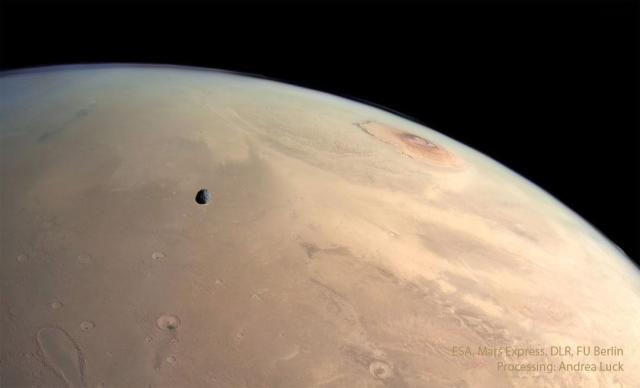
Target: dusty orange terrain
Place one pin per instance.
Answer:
(326, 254)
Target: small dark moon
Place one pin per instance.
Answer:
(203, 196)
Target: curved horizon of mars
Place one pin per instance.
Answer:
(351, 99)
(342, 245)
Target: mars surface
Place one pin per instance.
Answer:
(175, 227)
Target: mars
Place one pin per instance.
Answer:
(336, 245)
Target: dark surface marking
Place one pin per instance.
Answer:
(311, 249)
(79, 114)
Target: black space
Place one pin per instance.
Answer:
(547, 89)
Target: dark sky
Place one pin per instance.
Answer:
(549, 89)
